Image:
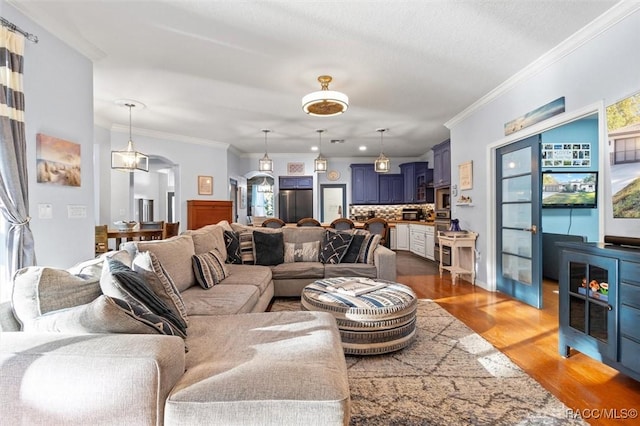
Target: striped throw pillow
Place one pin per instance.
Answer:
(209, 268)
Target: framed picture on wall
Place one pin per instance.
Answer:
(465, 170)
(205, 185)
(295, 169)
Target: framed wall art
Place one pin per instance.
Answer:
(205, 185)
(465, 171)
(57, 161)
(295, 169)
(568, 154)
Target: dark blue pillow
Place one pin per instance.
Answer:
(334, 246)
(269, 248)
(351, 256)
(232, 241)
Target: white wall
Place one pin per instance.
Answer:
(192, 158)
(601, 71)
(58, 87)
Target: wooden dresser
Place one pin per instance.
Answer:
(206, 212)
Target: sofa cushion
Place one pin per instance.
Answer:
(269, 248)
(208, 238)
(148, 265)
(350, 270)
(220, 300)
(232, 243)
(175, 256)
(104, 315)
(259, 276)
(38, 290)
(302, 252)
(121, 282)
(238, 389)
(209, 268)
(334, 247)
(298, 270)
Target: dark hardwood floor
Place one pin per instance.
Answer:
(529, 337)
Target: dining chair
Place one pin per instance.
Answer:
(378, 225)
(308, 221)
(273, 222)
(170, 229)
(101, 240)
(342, 224)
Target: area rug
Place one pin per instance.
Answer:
(448, 376)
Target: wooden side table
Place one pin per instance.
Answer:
(461, 262)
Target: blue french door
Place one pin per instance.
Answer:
(519, 252)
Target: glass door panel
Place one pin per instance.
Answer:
(517, 178)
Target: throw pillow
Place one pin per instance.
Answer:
(351, 256)
(122, 282)
(301, 252)
(269, 248)
(209, 268)
(148, 265)
(369, 245)
(246, 247)
(104, 315)
(175, 255)
(334, 247)
(232, 241)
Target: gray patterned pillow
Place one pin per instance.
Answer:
(334, 247)
(209, 268)
(301, 252)
(246, 247)
(369, 245)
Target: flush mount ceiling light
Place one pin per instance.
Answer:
(320, 163)
(325, 102)
(129, 159)
(381, 165)
(265, 164)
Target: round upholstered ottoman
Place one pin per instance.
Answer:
(373, 316)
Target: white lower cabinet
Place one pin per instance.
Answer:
(430, 243)
(422, 240)
(393, 239)
(402, 236)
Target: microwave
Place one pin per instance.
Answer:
(410, 214)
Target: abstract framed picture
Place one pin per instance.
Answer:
(205, 185)
(295, 169)
(57, 161)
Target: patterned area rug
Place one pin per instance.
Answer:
(448, 376)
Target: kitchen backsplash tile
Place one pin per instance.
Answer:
(387, 212)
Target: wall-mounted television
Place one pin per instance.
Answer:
(570, 190)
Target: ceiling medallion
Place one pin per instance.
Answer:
(325, 102)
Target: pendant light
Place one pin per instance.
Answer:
(320, 163)
(265, 163)
(381, 165)
(325, 102)
(129, 159)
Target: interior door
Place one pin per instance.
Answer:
(519, 252)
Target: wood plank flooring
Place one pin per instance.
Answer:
(529, 337)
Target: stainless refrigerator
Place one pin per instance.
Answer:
(295, 204)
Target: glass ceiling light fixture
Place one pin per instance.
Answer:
(325, 102)
(381, 165)
(265, 164)
(129, 159)
(320, 163)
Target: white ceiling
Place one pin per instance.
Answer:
(221, 70)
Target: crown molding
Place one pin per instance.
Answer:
(168, 136)
(605, 21)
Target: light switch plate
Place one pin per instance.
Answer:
(45, 211)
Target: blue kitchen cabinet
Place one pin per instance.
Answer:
(391, 189)
(442, 164)
(296, 182)
(364, 184)
(418, 182)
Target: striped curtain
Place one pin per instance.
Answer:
(14, 204)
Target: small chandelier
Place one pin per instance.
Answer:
(325, 102)
(264, 186)
(320, 163)
(129, 159)
(265, 163)
(381, 165)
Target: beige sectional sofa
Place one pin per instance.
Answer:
(69, 355)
